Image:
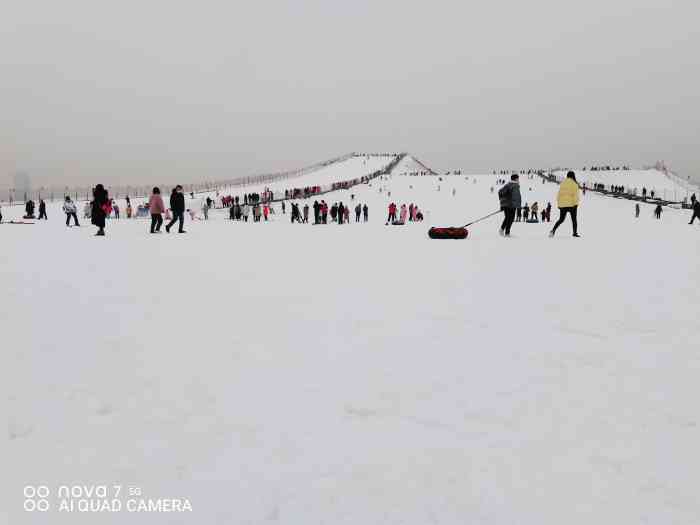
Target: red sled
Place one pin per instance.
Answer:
(448, 233)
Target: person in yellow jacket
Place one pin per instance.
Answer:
(567, 201)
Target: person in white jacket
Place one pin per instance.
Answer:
(246, 212)
(71, 210)
(205, 209)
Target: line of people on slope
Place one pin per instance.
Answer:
(409, 213)
(510, 201)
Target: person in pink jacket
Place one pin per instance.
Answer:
(404, 212)
(157, 207)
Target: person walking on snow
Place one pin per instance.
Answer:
(365, 213)
(341, 213)
(358, 212)
(636, 210)
(100, 208)
(696, 211)
(42, 210)
(177, 205)
(306, 213)
(567, 201)
(657, 211)
(70, 210)
(509, 199)
(205, 208)
(156, 206)
(403, 215)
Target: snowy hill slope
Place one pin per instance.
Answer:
(665, 187)
(278, 372)
(353, 167)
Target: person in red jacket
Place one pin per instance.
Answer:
(157, 208)
(392, 212)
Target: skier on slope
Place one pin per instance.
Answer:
(567, 201)
(509, 199)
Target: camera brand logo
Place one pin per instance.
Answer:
(35, 498)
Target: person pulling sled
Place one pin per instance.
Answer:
(510, 200)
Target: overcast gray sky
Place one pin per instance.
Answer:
(138, 91)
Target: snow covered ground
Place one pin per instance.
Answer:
(663, 186)
(280, 373)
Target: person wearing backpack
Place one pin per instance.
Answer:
(510, 199)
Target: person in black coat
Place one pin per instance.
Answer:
(42, 210)
(696, 211)
(177, 205)
(29, 209)
(510, 200)
(99, 203)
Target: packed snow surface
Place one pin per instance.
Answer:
(288, 373)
